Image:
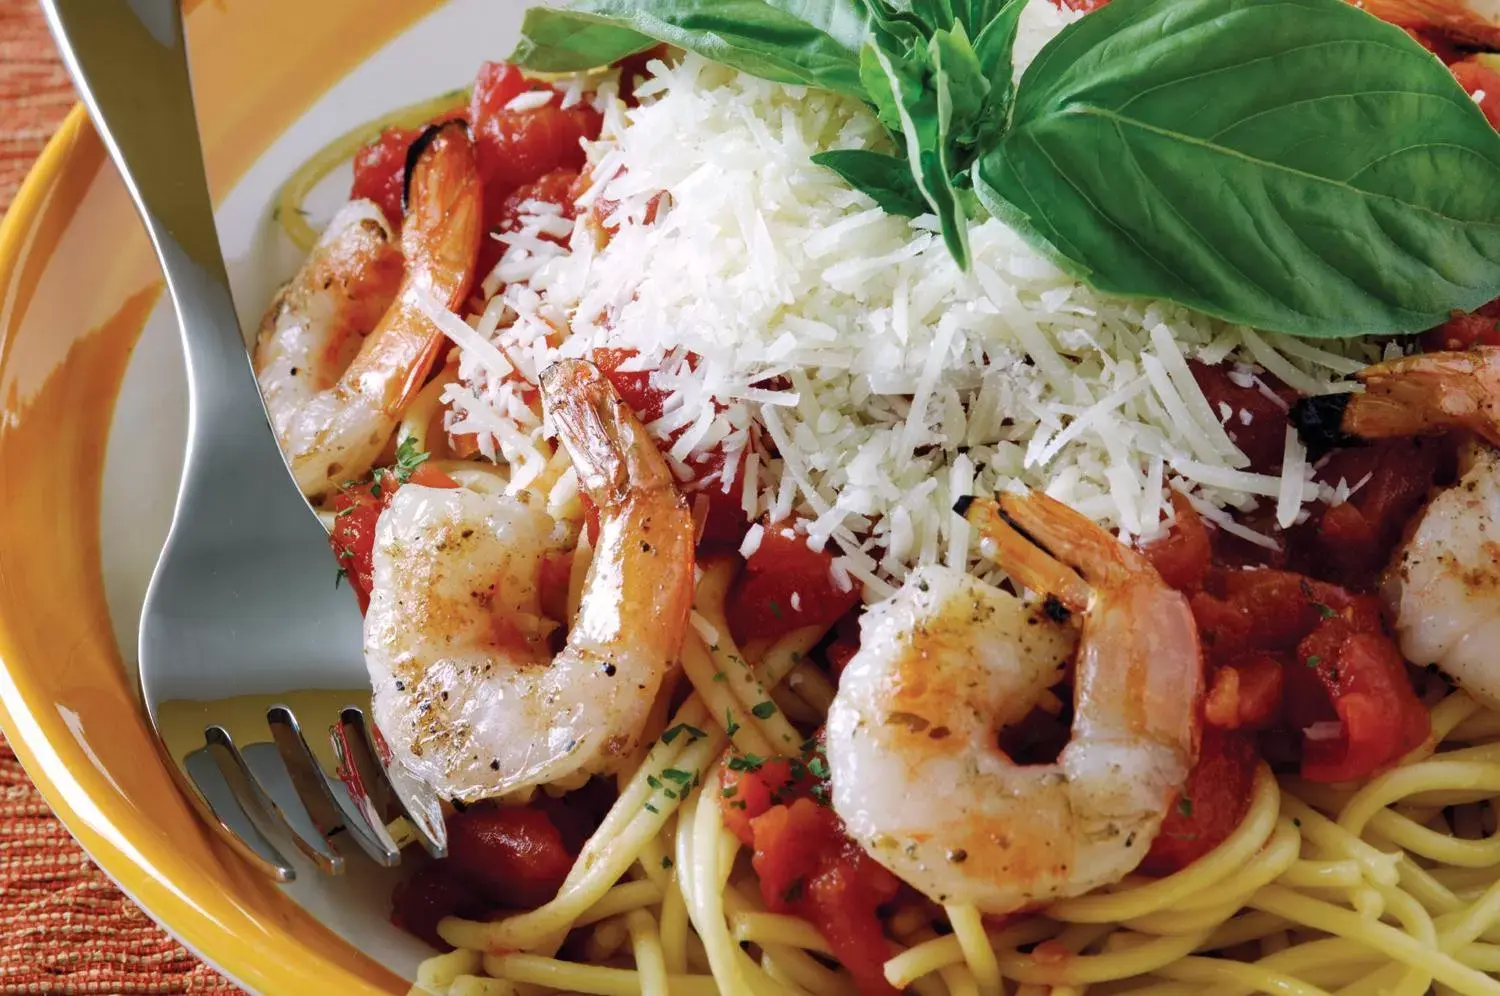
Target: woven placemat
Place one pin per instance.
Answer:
(65, 930)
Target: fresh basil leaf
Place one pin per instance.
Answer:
(966, 85)
(765, 38)
(924, 113)
(936, 15)
(1299, 166)
(841, 20)
(975, 15)
(898, 33)
(560, 41)
(886, 179)
(994, 46)
(879, 90)
(937, 159)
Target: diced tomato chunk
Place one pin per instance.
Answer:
(724, 522)
(633, 71)
(1436, 44)
(1379, 719)
(380, 171)
(1262, 610)
(1212, 804)
(633, 386)
(353, 537)
(517, 147)
(557, 187)
(1351, 543)
(840, 652)
(1184, 556)
(496, 85)
(1257, 420)
(808, 866)
(785, 586)
(1477, 78)
(1245, 695)
(514, 855)
(1465, 330)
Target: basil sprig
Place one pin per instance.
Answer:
(1299, 166)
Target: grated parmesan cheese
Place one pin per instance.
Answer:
(868, 382)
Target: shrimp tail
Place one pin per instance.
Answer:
(1044, 545)
(440, 235)
(1024, 559)
(1423, 395)
(610, 449)
(1319, 420)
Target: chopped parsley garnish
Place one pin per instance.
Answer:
(730, 726)
(764, 710)
(666, 862)
(408, 459)
(747, 762)
(679, 729)
(1185, 806)
(1314, 661)
(817, 767)
(677, 775)
(338, 578)
(652, 809)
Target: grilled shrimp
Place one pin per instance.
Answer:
(467, 690)
(1443, 589)
(344, 347)
(1476, 21)
(946, 661)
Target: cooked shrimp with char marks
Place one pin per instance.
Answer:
(1443, 587)
(467, 690)
(918, 776)
(344, 347)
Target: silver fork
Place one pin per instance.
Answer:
(245, 642)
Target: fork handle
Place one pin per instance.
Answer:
(128, 59)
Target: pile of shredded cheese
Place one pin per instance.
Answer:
(867, 381)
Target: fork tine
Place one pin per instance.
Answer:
(217, 793)
(417, 802)
(362, 814)
(270, 776)
(328, 802)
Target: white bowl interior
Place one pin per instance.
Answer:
(144, 452)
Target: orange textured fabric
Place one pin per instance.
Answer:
(65, 930)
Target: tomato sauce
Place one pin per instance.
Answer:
(499, 857)
(1212, 804)
(805, 861)
(1300, 663)
(785, 586)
